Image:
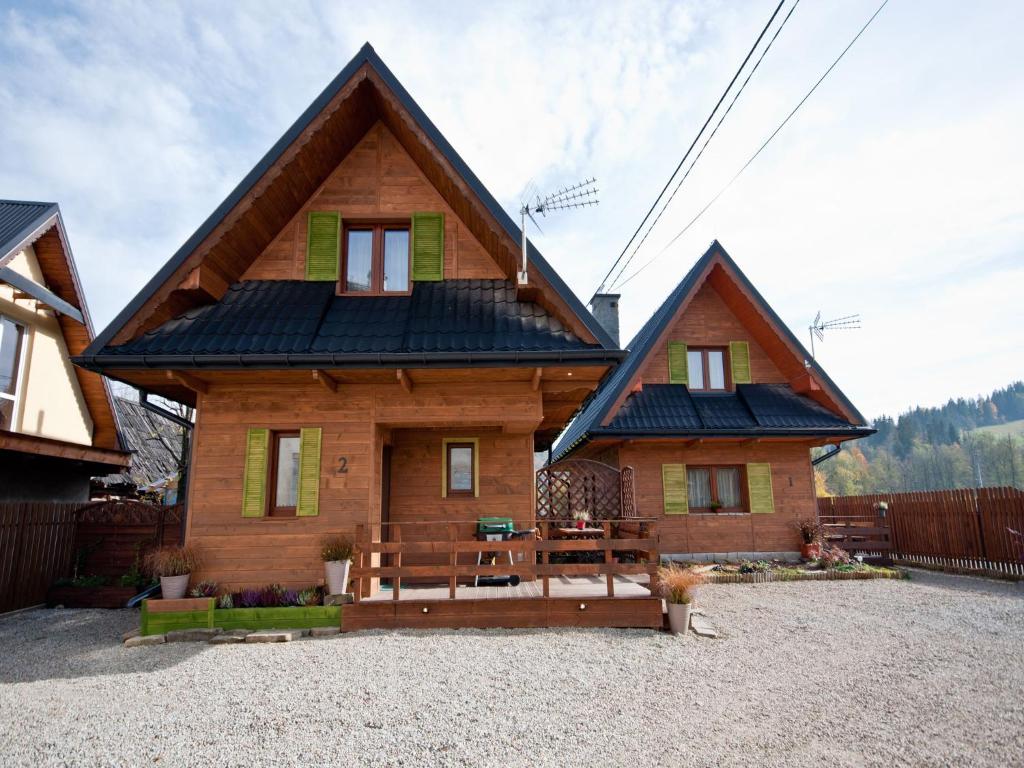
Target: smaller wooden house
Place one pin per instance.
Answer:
(716, 410)
(57, 423)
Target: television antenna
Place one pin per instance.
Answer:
(818, 327)
(576, 196)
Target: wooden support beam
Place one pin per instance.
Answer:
(330, 383)
(535, 381)
(404, 380)
(204, 283)
(188, 381)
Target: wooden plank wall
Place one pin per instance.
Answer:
(792, 484)
(960, 526)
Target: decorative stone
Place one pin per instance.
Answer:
(700, 625)
(274, 636)
(226, 638)
(135, 642)
(192, 635)
(344, 598)
(130, 633)
(324, 631)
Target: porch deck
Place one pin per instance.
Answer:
(608, 593)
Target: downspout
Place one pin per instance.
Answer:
(814, 481)
(826, 456)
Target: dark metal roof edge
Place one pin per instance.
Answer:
(366, 55)
(17, 240)
(752, 432)
(359, 360)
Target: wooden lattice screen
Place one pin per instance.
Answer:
(574, 485)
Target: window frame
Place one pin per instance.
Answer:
(712, 470)
(19, 372)
(272, 472)
(377, 228)
(705, 357)
(449, 489)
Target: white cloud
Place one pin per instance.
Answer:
(895, 191)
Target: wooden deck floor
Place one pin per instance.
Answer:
(561, 587)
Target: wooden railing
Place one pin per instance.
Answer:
(372, 545)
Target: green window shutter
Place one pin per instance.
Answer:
(677, 369)
(308, 502)
(323, 240)
(739, 356)
(674, 490)
(427, 246)
(759, 487)
(254, 482)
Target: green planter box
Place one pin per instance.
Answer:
(305, 617)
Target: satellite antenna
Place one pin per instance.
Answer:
(577, 196)
(818, 327)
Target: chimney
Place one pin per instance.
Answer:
(605, 307)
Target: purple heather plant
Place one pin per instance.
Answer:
(290, 597)
(248, 598)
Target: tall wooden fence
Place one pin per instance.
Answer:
(969, 528)
(41, 542)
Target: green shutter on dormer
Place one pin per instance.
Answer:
(323, 241)
(427, 246)
(254, 480)
(759, 488)
(677, 370)
(739, 357)
(307, 503)
(674, 492)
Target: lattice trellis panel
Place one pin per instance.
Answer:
(581, 485)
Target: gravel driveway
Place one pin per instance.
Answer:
(924, 672)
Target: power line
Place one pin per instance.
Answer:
(692, 145)
(760, 149)
(705, 145)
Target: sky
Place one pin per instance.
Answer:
(895, 192)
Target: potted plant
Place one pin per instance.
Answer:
(336, 552)
(811, 536)
(581, 517)
(678, 587)
(714, 506)
(174, 566)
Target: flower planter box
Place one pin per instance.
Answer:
(90, 597)
(161, 616)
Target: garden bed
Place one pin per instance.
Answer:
(162, 616)
(763, 571)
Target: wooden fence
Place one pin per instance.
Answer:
(41, 542)
(968, 528)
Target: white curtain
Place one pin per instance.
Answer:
(699, 483)
(728, 480)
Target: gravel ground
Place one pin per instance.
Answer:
(924, 672)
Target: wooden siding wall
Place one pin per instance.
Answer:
(707, 320)
(792, 485)
(505, 476)
(378, 178)
(355, 420)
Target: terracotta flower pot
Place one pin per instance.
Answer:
(678, 618)
(337, 576)
(810, 551)
(174, 587)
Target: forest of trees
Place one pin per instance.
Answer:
(932, 449)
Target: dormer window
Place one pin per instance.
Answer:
(375, 260)
(706, 369)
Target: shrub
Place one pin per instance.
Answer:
(172, 561)
(309, 596)
(204, 589)
(678, 584)
(249, 598)
(272, 596)
(833, 556)
(226, 601)
(335, 548)
(290, 597)
(761, 566)
(810, 530)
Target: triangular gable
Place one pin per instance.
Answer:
(41, 226)
(242, 226)
(789, 355)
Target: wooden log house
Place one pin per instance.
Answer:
(363, 359)
(715, 411)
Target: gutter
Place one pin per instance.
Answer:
(99, 362)
(826, 456)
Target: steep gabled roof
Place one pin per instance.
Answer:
(41, 226)
(238, 229)
(604, 407)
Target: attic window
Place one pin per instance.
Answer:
(376, 259)
(706, 369)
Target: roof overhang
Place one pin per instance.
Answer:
(62, 449)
